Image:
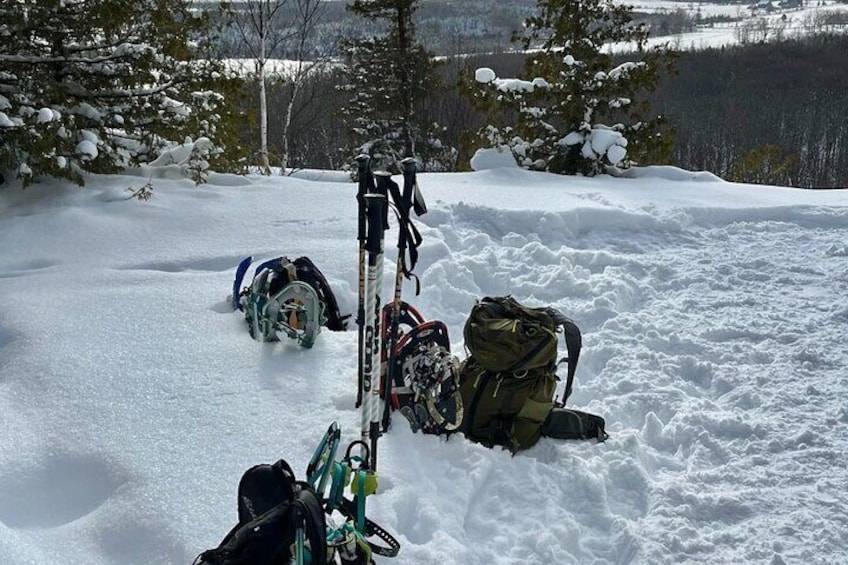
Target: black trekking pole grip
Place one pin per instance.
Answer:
(376, 209)
(386, 185)
(363, 162)
(411, 194)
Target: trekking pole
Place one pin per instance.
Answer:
(408, 239)
(385, 183)
(377, 210)
(366, 182)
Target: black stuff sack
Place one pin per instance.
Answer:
(272, 508)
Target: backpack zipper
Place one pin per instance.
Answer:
(497, 386)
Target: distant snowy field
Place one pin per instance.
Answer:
(706, 8)
(780, 23)
(714, 319)
(753, 26)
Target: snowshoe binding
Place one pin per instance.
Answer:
(278, 305)
(425, 376)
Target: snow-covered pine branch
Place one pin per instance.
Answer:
(94, 86)
(577, 115)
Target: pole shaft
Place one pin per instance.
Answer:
(364, 179)
(376, 207)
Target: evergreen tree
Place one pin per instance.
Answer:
(93, 85)
(557, 119)
(389, 78)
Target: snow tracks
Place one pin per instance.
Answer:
(714, 346)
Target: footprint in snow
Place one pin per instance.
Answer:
(56, 489)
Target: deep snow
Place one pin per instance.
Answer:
(714, 321)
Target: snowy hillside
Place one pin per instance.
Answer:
(714, 319)
(755, 22)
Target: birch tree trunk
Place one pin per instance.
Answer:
(263, 120)
(287, 119)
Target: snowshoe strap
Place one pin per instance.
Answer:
(390, 546)
(416, 415)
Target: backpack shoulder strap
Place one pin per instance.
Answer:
(573, 344)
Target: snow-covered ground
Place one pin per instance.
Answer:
(714, 318)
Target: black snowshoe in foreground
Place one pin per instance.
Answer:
(284, 521)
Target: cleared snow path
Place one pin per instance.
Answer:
(713, 345)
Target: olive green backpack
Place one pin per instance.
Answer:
(509, 380)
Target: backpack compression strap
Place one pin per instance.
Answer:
(573, 343)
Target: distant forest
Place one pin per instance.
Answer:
(445, 27)
(453, 27)
(761, 112)
(774, 113)
(770, 113)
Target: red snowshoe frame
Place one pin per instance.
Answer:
(414, 332)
